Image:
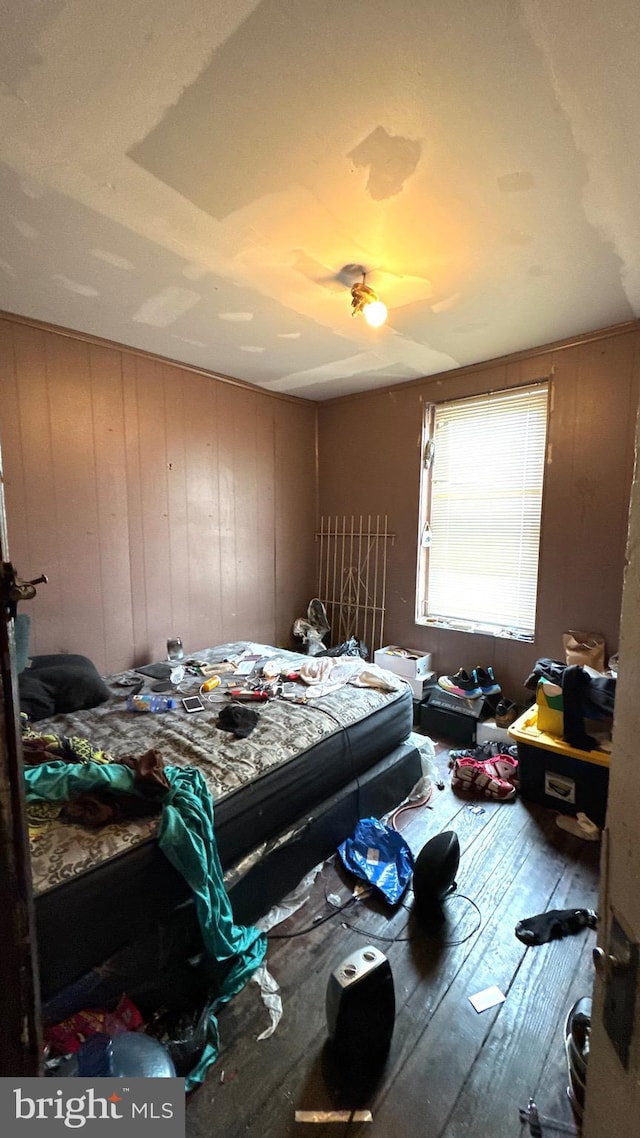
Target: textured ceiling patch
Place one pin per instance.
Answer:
(24, 229)
(18, 50)
(516, 182)
(195, 272)
(391, 160)
(187, 340)
(75, 286)
(114, 259)
(162, 309)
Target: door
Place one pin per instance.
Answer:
(613, 1083)
(20, 1039)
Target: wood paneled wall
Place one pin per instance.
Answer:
(159, 502)
(369, 463)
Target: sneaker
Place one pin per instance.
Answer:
(506, 713)
(462, 684)
(483, 778)
(489, 750)
(576, 1041)
(488, 683)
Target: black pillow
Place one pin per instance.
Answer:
(60, 683)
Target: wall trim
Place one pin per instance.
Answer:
(627, 327)
(114, 345)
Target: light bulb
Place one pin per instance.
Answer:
(375, 313)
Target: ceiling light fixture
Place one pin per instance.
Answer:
(365, 300)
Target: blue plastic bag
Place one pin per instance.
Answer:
(379, 855)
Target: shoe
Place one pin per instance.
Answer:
(577, 1033)
(506, 713)
(488, 683)
(581, 826)
(462, 684)
(489, 750)
(485, 777)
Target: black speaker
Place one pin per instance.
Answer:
(434, 873)
(361, 1007)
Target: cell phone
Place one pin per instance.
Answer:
(193, 703)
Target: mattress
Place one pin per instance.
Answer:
(297, 756)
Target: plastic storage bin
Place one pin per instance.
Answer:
(557, 775)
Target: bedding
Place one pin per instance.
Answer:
(59, 683)
(298, 756)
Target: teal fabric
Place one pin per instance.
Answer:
(187, 838)
(22, 634)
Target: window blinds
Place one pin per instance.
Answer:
(485, 508)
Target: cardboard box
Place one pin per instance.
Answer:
(410, 663)
(451, 717)
(447, 724)
(474, 708)
(421, 686)
(557, 775)
(489, 732)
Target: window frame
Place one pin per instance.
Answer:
(427, 462)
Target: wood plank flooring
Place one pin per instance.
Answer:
(451, 1072)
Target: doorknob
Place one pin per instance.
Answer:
(13, 589)
(606, 963)
(41, 580)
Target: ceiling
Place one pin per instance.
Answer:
(190, 177)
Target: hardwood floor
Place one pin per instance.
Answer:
(451, 1072)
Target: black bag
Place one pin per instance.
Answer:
(583, 697)
(350, 647)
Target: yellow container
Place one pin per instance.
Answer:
(557, 775)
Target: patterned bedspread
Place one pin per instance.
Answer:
(61, 850)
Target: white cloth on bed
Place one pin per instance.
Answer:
(324, 674)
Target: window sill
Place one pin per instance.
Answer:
(476, 629)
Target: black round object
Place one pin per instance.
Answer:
(435, 872)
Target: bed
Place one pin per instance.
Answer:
(284, 797)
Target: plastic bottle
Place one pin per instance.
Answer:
(146, 701)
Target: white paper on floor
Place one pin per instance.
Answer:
(487, 998)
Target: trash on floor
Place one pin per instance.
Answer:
(270, 992)
(487, 998)
(334, 1116)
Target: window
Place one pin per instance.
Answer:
(480, 510)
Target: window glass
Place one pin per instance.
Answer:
(480, 512)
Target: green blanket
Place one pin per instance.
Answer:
(187, 839)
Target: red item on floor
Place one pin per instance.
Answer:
(490, 778)
(67, 1037)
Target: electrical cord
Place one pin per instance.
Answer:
(411, 805)
(337, 909)
(399, 939)
(316, 923)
